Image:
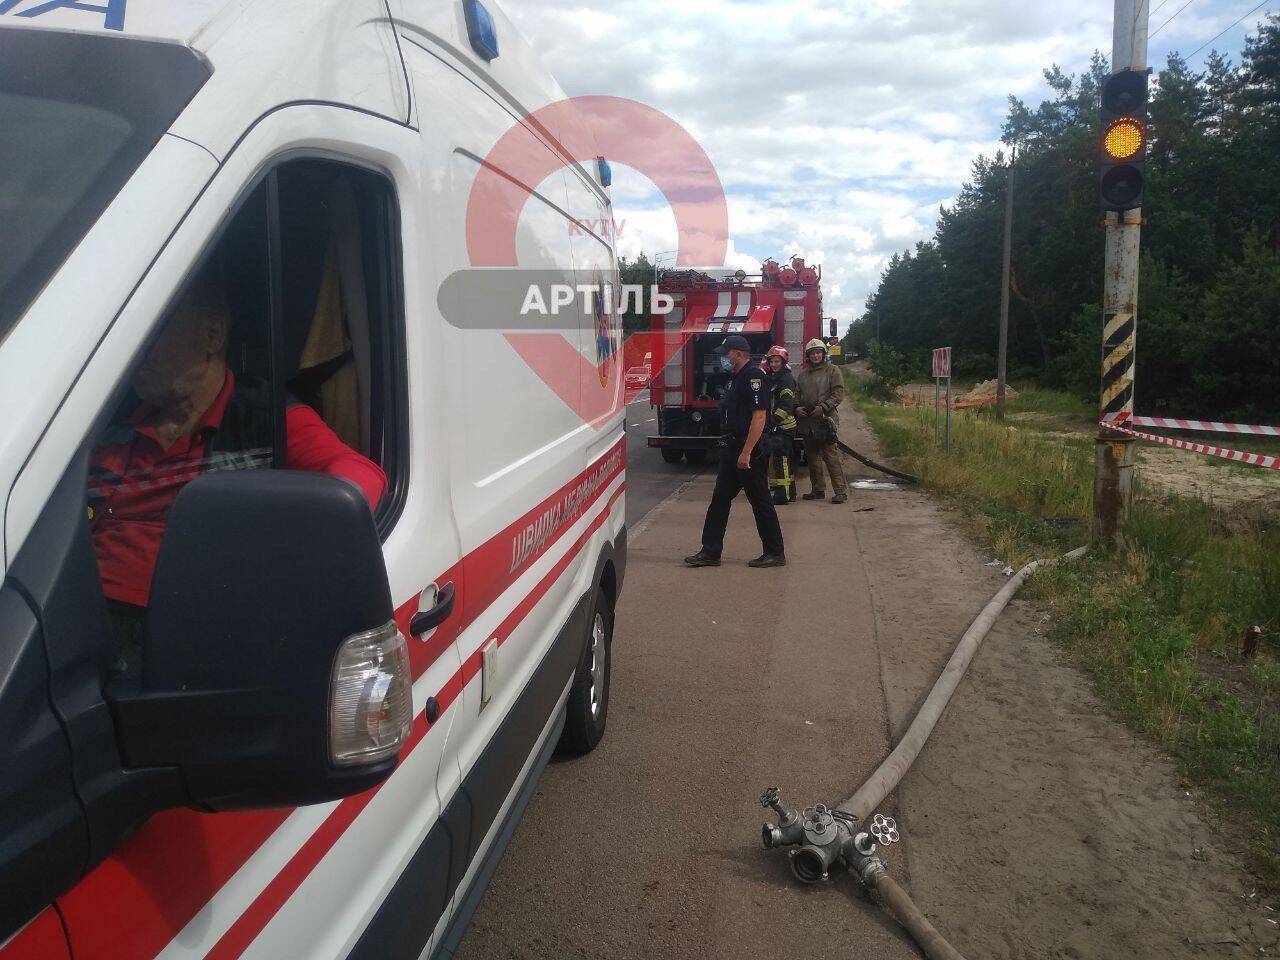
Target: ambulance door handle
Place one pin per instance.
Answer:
(428, 620)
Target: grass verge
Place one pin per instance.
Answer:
(1158, 624)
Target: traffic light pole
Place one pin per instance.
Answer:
(1114, 452)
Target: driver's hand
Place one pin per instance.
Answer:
(744, 460)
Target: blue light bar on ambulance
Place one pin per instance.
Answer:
(484, 35)
(606, 172)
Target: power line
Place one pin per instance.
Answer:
(1137, 14)
(1171, 19)
(1228, 30)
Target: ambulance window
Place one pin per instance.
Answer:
(78, 114)
(281, 349)
(340, 327)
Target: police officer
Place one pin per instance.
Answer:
(744, 463)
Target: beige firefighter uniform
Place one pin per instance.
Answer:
(822, 386)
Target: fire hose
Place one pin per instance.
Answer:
(875, 466)
(823, 836)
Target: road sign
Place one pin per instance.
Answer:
(941, 371)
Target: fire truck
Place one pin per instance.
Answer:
(781, 305)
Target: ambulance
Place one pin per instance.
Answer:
(315, 734)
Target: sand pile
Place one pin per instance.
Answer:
(987, 389)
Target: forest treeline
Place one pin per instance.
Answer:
(1209, 298)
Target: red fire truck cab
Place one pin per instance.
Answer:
(782, 305)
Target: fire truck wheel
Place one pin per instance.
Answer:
(587, 710)
(672, 456)
(696, 457)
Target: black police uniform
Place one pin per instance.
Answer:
(748, 392)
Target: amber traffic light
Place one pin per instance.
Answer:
(1123, 142)
(1123, 139)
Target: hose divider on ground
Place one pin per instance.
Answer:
(890, 773)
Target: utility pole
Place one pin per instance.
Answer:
(1113, 452)
(1002, 363)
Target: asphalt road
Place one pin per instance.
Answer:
(649, 480)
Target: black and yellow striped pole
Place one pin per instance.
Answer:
(1122, 151)
(1119, 340)
(1114, 452)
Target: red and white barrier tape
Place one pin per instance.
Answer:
(1255, 459)
(1206, 426)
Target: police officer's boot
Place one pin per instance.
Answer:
(702, 559)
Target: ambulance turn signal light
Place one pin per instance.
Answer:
(371, 698)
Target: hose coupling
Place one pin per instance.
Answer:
(860, 855)
(788, 830)
(869, 871)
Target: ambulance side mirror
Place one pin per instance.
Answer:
(271, 671)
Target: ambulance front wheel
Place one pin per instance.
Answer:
(587, 710)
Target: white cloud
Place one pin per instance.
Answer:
(838, 127)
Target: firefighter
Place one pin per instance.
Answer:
(744, 464)
(821, 388)
(782, 437)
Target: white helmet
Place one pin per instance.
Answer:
(815, 344)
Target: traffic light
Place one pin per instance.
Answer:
(1123, 140)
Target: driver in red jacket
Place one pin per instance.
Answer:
(194, 418)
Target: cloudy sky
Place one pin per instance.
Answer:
(838, 127)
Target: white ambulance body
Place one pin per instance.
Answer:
(196, 800)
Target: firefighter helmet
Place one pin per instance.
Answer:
(778, 351)
(814, 344)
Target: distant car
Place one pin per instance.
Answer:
(638, 377)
